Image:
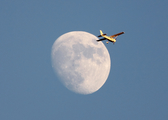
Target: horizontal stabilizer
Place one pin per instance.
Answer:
(101, 35)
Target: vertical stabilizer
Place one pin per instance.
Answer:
(101, 33)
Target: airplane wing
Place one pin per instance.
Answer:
(102, 39)
(117, 34)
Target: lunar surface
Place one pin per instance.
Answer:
(82, 63)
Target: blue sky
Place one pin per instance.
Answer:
(136, 88)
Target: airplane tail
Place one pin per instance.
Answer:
(101, 34)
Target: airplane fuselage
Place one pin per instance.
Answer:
(109, 38)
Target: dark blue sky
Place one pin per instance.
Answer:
(136, 88)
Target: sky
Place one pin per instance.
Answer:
(136, 88)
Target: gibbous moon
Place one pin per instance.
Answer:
(82, 63)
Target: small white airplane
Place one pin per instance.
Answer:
(109, 38)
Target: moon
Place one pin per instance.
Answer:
(82, 63)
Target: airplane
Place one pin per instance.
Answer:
(109, 38)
